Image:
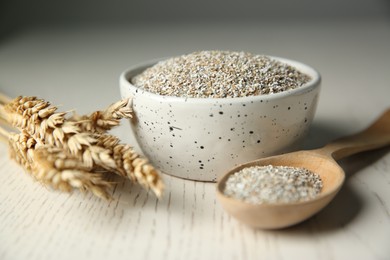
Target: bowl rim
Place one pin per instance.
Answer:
(126, 76)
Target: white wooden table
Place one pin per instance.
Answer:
(79, 68)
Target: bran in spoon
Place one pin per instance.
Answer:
(273, 184)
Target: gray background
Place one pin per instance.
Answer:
(16, 14)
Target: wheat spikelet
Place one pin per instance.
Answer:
(132, 165)
(65, 172)
(34, 115)
(103, 121)
(21, 148)
(54, 168)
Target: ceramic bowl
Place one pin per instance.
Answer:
(201, 138)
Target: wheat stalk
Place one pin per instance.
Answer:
(4, 134)
(83, 139)
(4, 99)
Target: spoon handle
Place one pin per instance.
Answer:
(375, 136)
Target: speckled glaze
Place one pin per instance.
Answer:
(201, 138)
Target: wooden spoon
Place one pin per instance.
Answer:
(321, 161)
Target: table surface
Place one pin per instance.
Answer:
(78, 68)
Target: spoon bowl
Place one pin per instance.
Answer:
(321, 161)
(271, 216)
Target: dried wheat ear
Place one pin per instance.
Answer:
(75, 152)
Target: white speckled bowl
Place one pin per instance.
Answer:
(201, 138)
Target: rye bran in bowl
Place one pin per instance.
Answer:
(200, 114)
